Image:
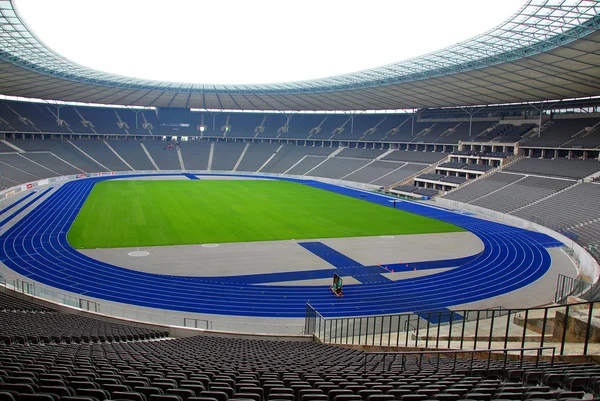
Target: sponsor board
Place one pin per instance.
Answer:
(9, 193)
(29, 186)
(43, 182)
(80, 175)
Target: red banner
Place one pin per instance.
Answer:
(29, 186)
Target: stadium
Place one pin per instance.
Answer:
(427, 229)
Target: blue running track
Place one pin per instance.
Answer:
(37, 247)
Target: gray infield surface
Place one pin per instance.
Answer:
(232, 259)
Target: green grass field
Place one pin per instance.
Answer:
(151, 213)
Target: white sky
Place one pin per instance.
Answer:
(253, 41)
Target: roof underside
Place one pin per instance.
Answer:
(549, 50)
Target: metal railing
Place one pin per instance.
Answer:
(573, 329)
(381, 358)
(23, 288)
(568, 286)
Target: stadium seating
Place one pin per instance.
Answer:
(576, 205)
(377, 169)
(399, 174)
(10, 303)
(504, 133)
(560, 132)
(483, 187)
(103, 155)
(566, 168)
(63, 150)
(164, 155)
(415, 157)
(522, 193)
(256, 156)
(226, 155)
(338, 167)
(133, 153)
(289, 155)
(207, 368)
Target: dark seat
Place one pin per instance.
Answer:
(478, 396)
(576, 383)
(508, 396)
(184, 393)
(9, 396)
(99, 394)
(248, 396)
(538, 395)
(58, 390)
(569, 395)
(446, 397)
(381, 397)
(414, 397)
(38, 397)
(75, 398)
(225, 389)
(314, 397)
(348, 397)
(334, 393)
(148, 391)
(531, 377)
(129, 395)
(365, 394)
(281, 397)
(218, 395)
(165, 397)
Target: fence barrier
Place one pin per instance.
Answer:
(573, 329)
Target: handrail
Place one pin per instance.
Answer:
(571, 328)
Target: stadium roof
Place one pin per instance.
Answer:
(549, 50)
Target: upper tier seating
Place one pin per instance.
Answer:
(560, 132)
(27, 117)
(505, 133)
